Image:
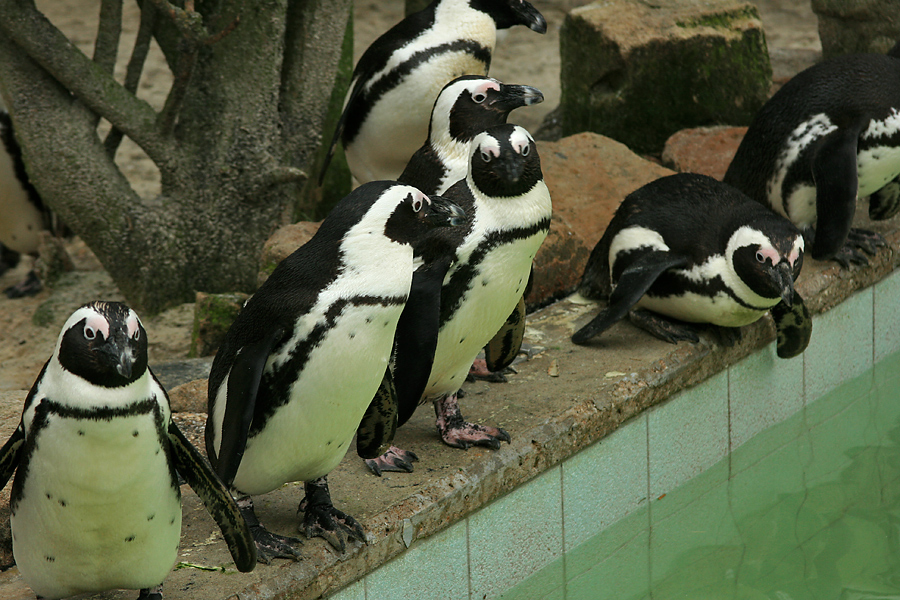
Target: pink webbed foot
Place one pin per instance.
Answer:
(457, 432)
(395, 459)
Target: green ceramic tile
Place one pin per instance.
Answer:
(442, 557)
(887, 316)
(546, 584)
(354, 591)
(763, 390)
(887, 370)
(624, 575)
(688, 434)
(841, 345)
(605, 482)
(838, 399)
(836, 441)
(607, 543)
(516, 536)
(757, 487)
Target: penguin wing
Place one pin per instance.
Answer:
(11, 454)
(416, 338)
(243, 386)
(633, 283)
(884, 203)
(793, 327)
(199, 475)
(379, 424)
(834, 170)
(504, 346)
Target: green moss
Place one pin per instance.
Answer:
(213, 316)
(44, 315)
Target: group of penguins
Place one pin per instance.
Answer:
(424, 265)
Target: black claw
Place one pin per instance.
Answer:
(395, 460)
(268, 545)
(322, 519)
(503, 436)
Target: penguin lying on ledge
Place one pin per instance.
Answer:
(395, 82)
(96, 503)
(829, 136)
(687, 249)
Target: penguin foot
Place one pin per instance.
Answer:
(395, 459)
(479, 371)
(662, 328)
(268, 545)
(859, 239)
(457, 432)
(728, 336)
(322, 519)
(154, 593)
(30, 287)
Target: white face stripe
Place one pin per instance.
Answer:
(487, 144)
(519, 139)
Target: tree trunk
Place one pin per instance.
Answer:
(242, 120)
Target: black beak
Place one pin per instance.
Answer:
(443, 213)
(514, 96)
(783, 276)
(510, 167)
(120, 354)
(529, 16)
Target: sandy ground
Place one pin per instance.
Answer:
(29, 327)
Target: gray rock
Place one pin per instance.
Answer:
(848, 26)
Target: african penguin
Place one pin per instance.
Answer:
(95, 501)
(475, 293)
(465, 107)
(22, 214)
(691, 248)
(387, 109)
(301, 363)
(829, 136)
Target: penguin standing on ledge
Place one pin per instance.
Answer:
(473, 294)
(465, 107)
(690, 248)
(301, 364)
(96, 503)
(829, 136)
(387, 109)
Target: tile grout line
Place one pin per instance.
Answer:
(649, 510)
(562, 517)
(468, 560)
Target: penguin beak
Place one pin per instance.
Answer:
(529, 16)
(443, 213)
(120, 354)
(510, 167)
(783, 276)
(514, 96)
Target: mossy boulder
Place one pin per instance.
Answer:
(213, 315)
(850, 26)
(638, 73)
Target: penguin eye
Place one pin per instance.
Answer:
(89, 332)
(479, 98)
(416, 203)
(760, 257)
(137, 334)
(486, 156)
(526, 150)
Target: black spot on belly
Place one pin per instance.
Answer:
(81, 432)
(484, 283)
(368, 319)
(352, 335)
(134, 433)
(63, 503)
(172, 522)
(462, 340)
(386, 323)
(329, 442)
(151, 517)
(130, 538)
(50, 559)
(49, 496)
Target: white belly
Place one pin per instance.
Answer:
(20, 221)
(877, 167)
(397, 125)
(98, 510)
(484, 309)
(720, 309)
(308, 436)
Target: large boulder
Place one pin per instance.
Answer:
(638, 72)
(848, 26)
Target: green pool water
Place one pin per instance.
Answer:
(807, 509)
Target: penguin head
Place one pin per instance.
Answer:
(104, 343)
(504, 161)
(470, 104)
(767, 256)
(508, 13)
(413, 214)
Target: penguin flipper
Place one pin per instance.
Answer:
(885, 203)
(837, 183)
(632, 284)
(793, 327)
(11, 454)
(379, 423)
(243, 385)
(417, 332)
(504, 346)
(218, 502)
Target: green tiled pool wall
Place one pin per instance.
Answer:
(551, 524)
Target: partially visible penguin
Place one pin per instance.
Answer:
(300, 365)
(96, 503)
(829, 136)
(465, 107)
(22, 214)
(473, 296)
(395, 82)
(687, 249)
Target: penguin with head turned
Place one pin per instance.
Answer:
(96, 503)
(472, 296)
(394, 85)
(465, 107)
(299, 367)
(829, 136)
(686, 250)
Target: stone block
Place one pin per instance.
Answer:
(213, 315)
(705, 150)
(282, 244)
(849, 26)
(638, 72)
